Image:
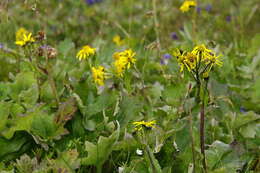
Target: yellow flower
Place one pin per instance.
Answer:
(190, 61)
(180, 58)
(19, 33)
(23, 37)
(202, 52)
(139, 125)
(117, 40)
(199, 61)
(212, 59)
(117, 55)
(187, 5)
(98, 75)
(85, 52)
(207, 56)
(205, 75)
(123, 60)
(120, 66)
(129, 54)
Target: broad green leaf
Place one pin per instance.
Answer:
(67, 160)
(250, 130)
(255, 44)
(66, 111)
(102, 102)
(245, 119)
(43, 125)
(23, 81)
(98, 153)
(65, 47)
(30, 96)
(46, 93)
(4, 112)
(129, 110)
(12, 148)
(216, 153)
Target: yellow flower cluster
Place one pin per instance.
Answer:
(85, 52)
(123, 60)
(139, 125)
(187, 4)
(199, 58)
(23, 37)
(117, 40)
(98, 75)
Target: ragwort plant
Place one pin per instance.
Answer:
(199, 62)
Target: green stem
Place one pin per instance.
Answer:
(192, 142)
(99, 168)
(202, 129)
(156, 26)
(202, 135)
(52, 83)
(147, 149)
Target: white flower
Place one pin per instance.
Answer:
(139, 152)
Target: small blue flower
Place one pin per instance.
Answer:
(163, 61)
(228, 18)
(198, 9)
(208, 8)
(91, 2)
(44, 46)
(1, 45)
(174, 36)
(167, 56)
(242, 110)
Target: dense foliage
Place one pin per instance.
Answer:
(126, 86)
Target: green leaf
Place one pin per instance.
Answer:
(65, 47)
(30, 96)
(4, 112)
(66, 111)
(245, 119)
(215, 154)
(46, 93)
(154, 165)
(98, 153)
(43, 126)
(129, 110)
(12, 148)
(102, 102)
(173, 94)
(249, 131)
(255, 44)
(68, 160)
(23, 81)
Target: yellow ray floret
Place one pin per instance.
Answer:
(139, 125)
(98, 75)
(123, 60)
(23, 37)
(187, 5)
(117, 40)
(85, 52)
